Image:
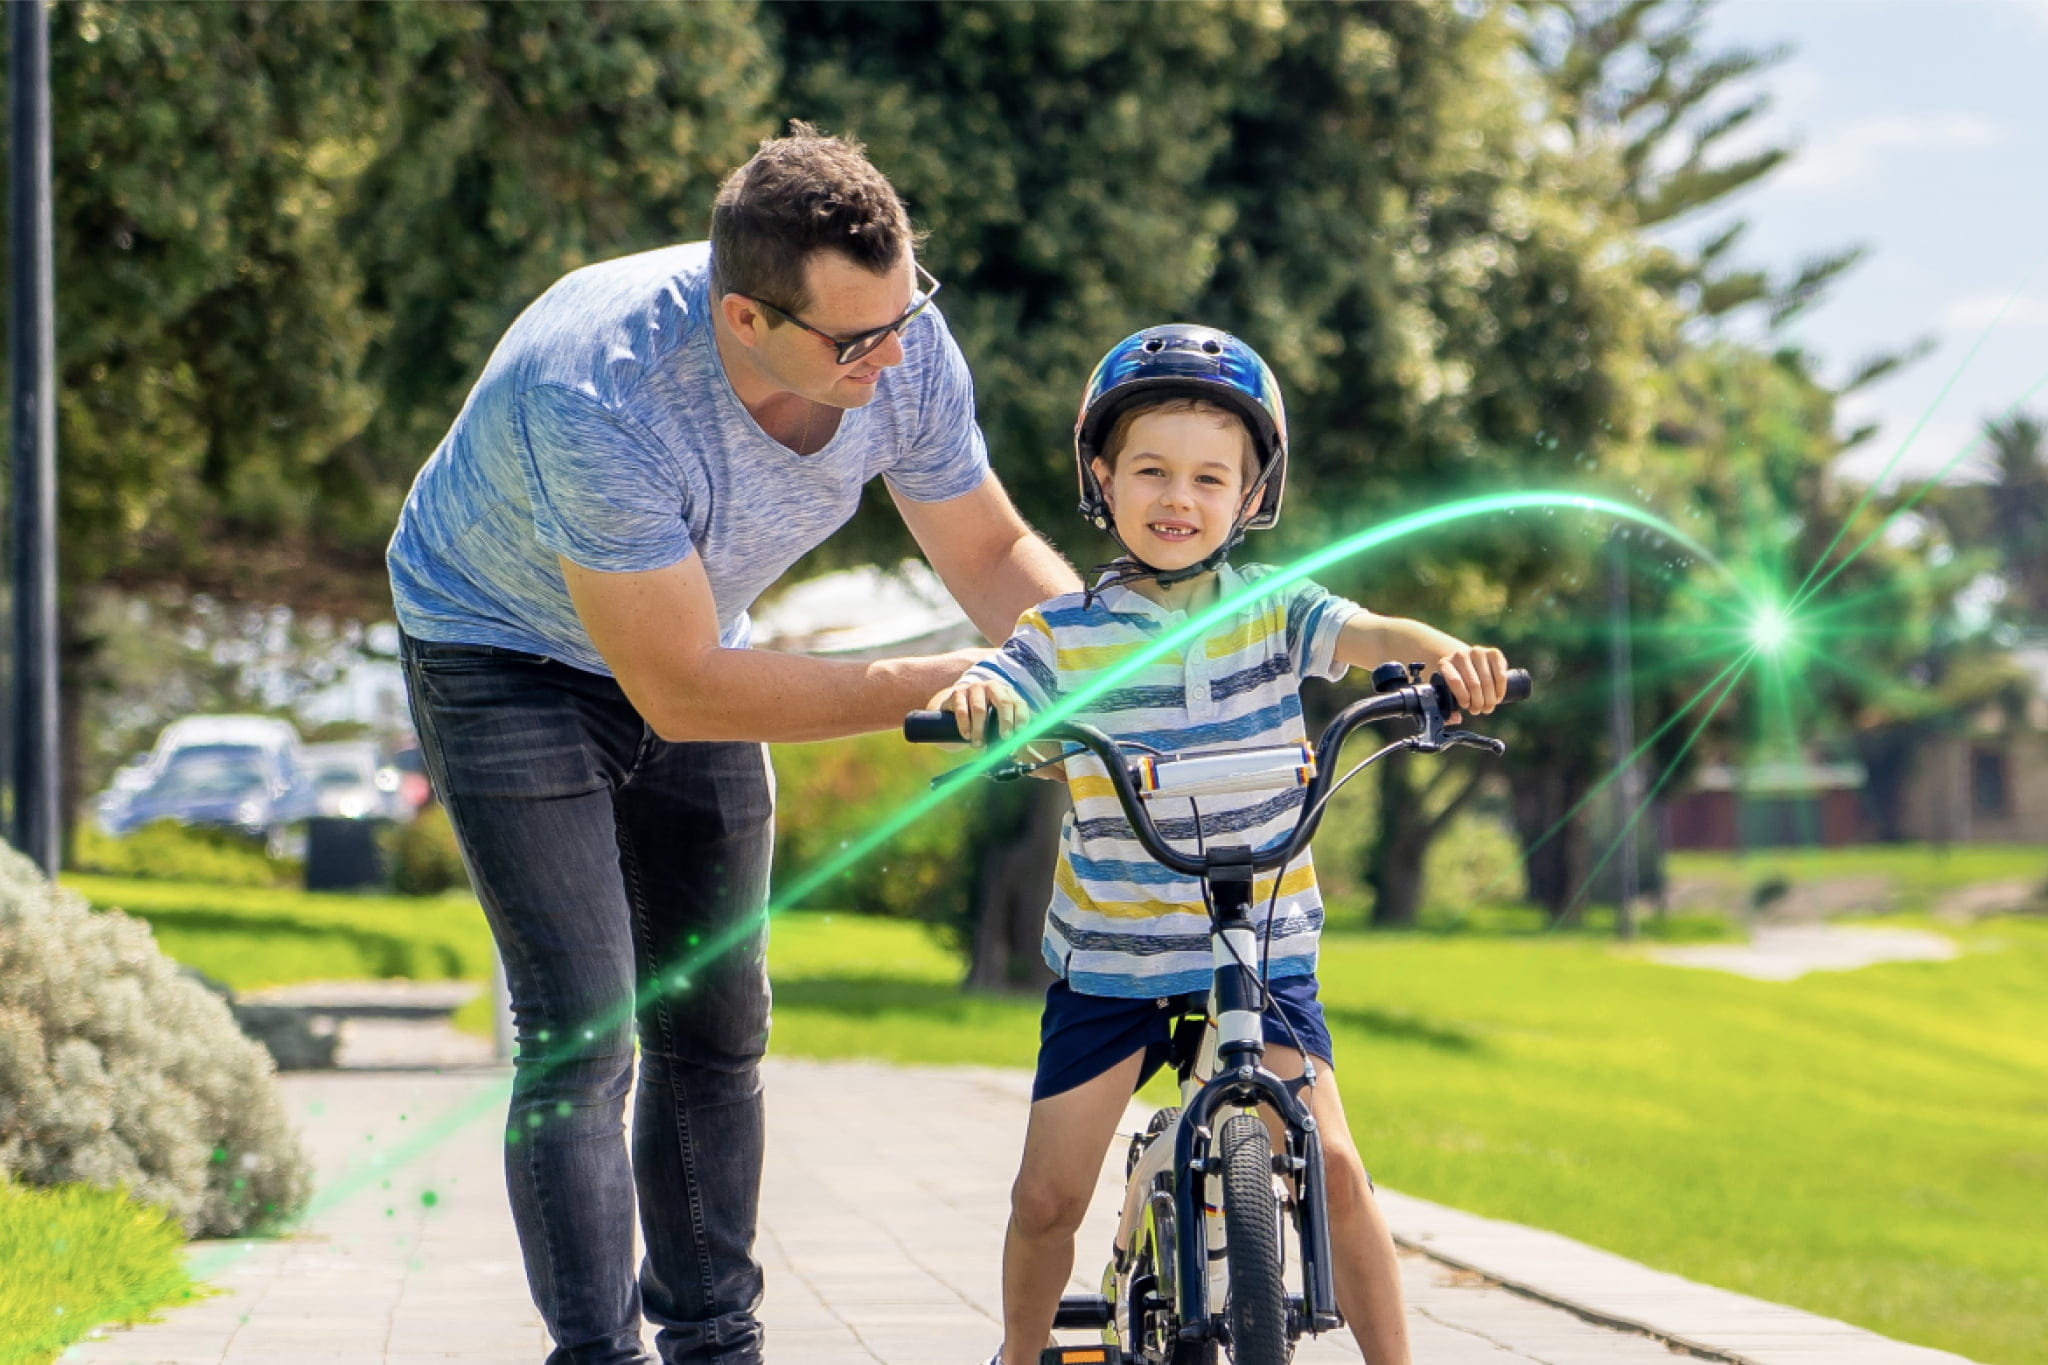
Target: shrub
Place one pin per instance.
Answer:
(830, 795)
(168, 851)
(116, 1071)
(422, 855)
(1475, 861)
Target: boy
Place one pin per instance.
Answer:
(1181, 446)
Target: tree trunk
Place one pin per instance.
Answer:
(1019, 834)
(1887, 753)
(1395, 872)
(1558, 865)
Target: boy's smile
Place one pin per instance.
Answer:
(1178, 484)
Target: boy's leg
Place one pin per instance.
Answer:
(1361, 1249)
(1064, 1145)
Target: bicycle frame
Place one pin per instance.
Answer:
(1238, 1079)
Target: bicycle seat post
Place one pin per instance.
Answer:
(1240, 1041)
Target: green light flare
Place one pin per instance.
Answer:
(677, 976)
(1741, 665)
(1770, 629)
(1614, 774)
(1811, 586)
(1800, 593)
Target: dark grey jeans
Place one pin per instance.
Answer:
(624, 878)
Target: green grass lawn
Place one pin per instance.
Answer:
(78, 1257)
(1869, 1145)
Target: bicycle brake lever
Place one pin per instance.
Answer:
(1491, 745)
(1001, 772)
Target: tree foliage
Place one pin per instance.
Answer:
(288, 235)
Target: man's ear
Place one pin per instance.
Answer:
(743, 317)
(1103, 475)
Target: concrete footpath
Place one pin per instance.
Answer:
(882, 1214)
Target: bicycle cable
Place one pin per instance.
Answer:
(1308, 1065)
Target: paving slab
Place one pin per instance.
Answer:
(881, 1223)
(1786, 952)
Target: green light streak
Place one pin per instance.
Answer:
(1800, 593)
(677, 976)
(1615, 773)
(1806, 592)
(1193, 629)
(1627, 829)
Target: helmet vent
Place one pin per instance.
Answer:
(1155, 344)
(1213, 347)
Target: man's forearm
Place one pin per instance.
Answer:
(1014, 579)
(747, 694)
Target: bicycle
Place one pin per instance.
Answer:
(1205, 1202)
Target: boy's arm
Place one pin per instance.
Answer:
(1476, 674)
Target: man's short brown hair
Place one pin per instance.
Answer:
(798, 195)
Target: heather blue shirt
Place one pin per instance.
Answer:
(603, 430)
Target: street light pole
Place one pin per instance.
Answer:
(32, 352)
(1621, 733)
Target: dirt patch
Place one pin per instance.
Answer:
(2019, 896)
(1813, 902)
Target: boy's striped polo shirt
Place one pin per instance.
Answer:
(1119, 923)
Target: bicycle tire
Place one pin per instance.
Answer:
(1257, 1311)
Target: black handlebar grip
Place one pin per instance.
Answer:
(1518, 688)
(932, 727)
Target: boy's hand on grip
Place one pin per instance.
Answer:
(1477, 676)
(972, 700)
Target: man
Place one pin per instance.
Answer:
(653, 442)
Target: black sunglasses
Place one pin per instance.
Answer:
(849, 349)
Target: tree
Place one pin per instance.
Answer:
(2005, 516)
(287, 235)
(1354, 189)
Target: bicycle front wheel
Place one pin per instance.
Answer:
(1257, 1311)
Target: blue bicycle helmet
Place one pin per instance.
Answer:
(1184, 360)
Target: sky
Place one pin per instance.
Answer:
(1922, 133)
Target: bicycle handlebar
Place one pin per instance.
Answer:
(1427, 701)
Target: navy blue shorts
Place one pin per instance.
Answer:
(1082, 1036)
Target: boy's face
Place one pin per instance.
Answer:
(1178, 483)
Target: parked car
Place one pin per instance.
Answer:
(232, 786)
(349, 780)
(236, 772)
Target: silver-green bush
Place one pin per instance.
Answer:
(117, 1071)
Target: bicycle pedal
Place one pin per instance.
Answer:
(1097, 1354)
(1078, 1312)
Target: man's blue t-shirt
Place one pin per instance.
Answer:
(603, 430)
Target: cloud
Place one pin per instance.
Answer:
(1856, 151)
(1974, 312)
